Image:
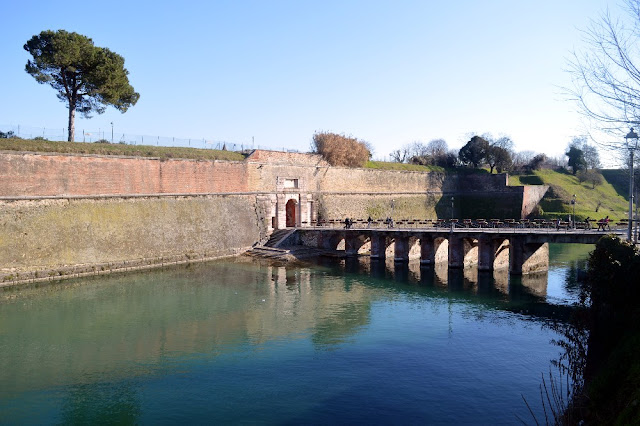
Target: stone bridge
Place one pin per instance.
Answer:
(522, 250)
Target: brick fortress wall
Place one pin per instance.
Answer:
(35, 174)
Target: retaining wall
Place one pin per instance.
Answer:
(50, 237)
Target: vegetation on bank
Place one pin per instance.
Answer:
(611, 392)
(105, 148)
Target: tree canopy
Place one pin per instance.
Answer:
(474, 152)
(87, 78)
(576, 159)
(499, 158)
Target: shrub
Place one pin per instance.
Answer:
(536, 162)
(340, 150)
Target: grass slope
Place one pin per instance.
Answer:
(598, 202)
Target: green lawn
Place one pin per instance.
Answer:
(591, 202)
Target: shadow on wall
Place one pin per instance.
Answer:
(476, 202)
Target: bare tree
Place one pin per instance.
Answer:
(399, 155)
(437, 147)
(594, 177)
(606, 75)
(521, 159)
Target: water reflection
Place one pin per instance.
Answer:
(532, 286)
(95, 343)
(102, 403)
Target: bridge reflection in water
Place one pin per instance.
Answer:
(525, 294)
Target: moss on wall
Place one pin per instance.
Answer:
(55, 233)
(338, 206)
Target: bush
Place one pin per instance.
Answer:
(536, 163)
(7, 135)
(340, 150)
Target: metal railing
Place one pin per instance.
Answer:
(106, 135)
(470, 224)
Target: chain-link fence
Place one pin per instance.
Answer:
(111, 136)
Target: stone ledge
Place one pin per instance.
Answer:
(12, 278)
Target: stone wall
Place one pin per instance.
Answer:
(55, 236)
(531, 196)
(378, 206)
(35, 174)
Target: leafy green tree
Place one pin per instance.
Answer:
(576, 159)
(498, 158)
(474, 152)
(88, 78)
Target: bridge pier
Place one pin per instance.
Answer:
(456, 251)
(486, 253)
(378, 246)
(401, 249)
(427, 250)
(352, 243)
(527, 257)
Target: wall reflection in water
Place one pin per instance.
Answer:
(92, 339)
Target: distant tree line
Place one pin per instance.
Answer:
(497, 153)
(479, 152)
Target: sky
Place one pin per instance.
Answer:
(271, 73)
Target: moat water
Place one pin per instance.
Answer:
(240, 341)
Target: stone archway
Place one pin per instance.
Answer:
(291, 213)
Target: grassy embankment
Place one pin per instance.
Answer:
(30, 145)
(596, 203)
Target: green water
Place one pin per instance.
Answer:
(244, 342)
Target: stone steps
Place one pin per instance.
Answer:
(277, 237)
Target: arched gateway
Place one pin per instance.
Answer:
(291, 211)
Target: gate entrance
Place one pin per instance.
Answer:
(291, 213)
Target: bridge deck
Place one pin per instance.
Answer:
(533, 235)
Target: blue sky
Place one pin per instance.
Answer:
(388, 72)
